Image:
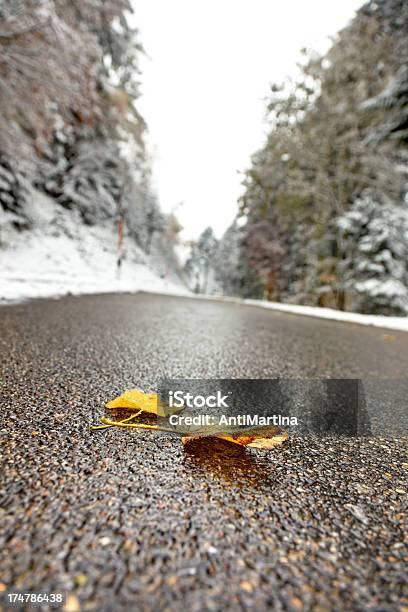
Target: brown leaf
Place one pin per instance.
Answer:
(270, 437)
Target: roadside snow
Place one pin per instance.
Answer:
(398, 323)
(62, 256)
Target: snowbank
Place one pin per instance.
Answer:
(399, 323)
(61, 256)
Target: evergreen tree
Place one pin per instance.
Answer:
(337, 132)
(199, 266)
(375, 268)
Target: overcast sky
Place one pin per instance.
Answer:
(204, 84)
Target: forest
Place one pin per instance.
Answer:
(69, 121)
(323, 219)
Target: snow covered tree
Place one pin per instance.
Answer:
(337, 130)
(48, 70)
(76, 63)
(375, 267)
(198, 267)
(227, 262)
(13, 192)
(154, 223)
(69, 119)
(91, 180)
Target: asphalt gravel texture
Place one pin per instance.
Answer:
(132, 520)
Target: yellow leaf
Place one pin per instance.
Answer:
(148, 402)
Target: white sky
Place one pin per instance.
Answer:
(209, 69)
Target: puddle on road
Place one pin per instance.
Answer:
(229, 462)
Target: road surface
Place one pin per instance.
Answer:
(126, 520)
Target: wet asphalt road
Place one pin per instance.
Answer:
(129, 520)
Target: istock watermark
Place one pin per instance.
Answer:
(316, 407)
(240, 420)
(223, 409)
(176, 399)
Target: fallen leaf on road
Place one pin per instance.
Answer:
(136, 400)
(256, 437)
(264, 438)
(147, 402)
